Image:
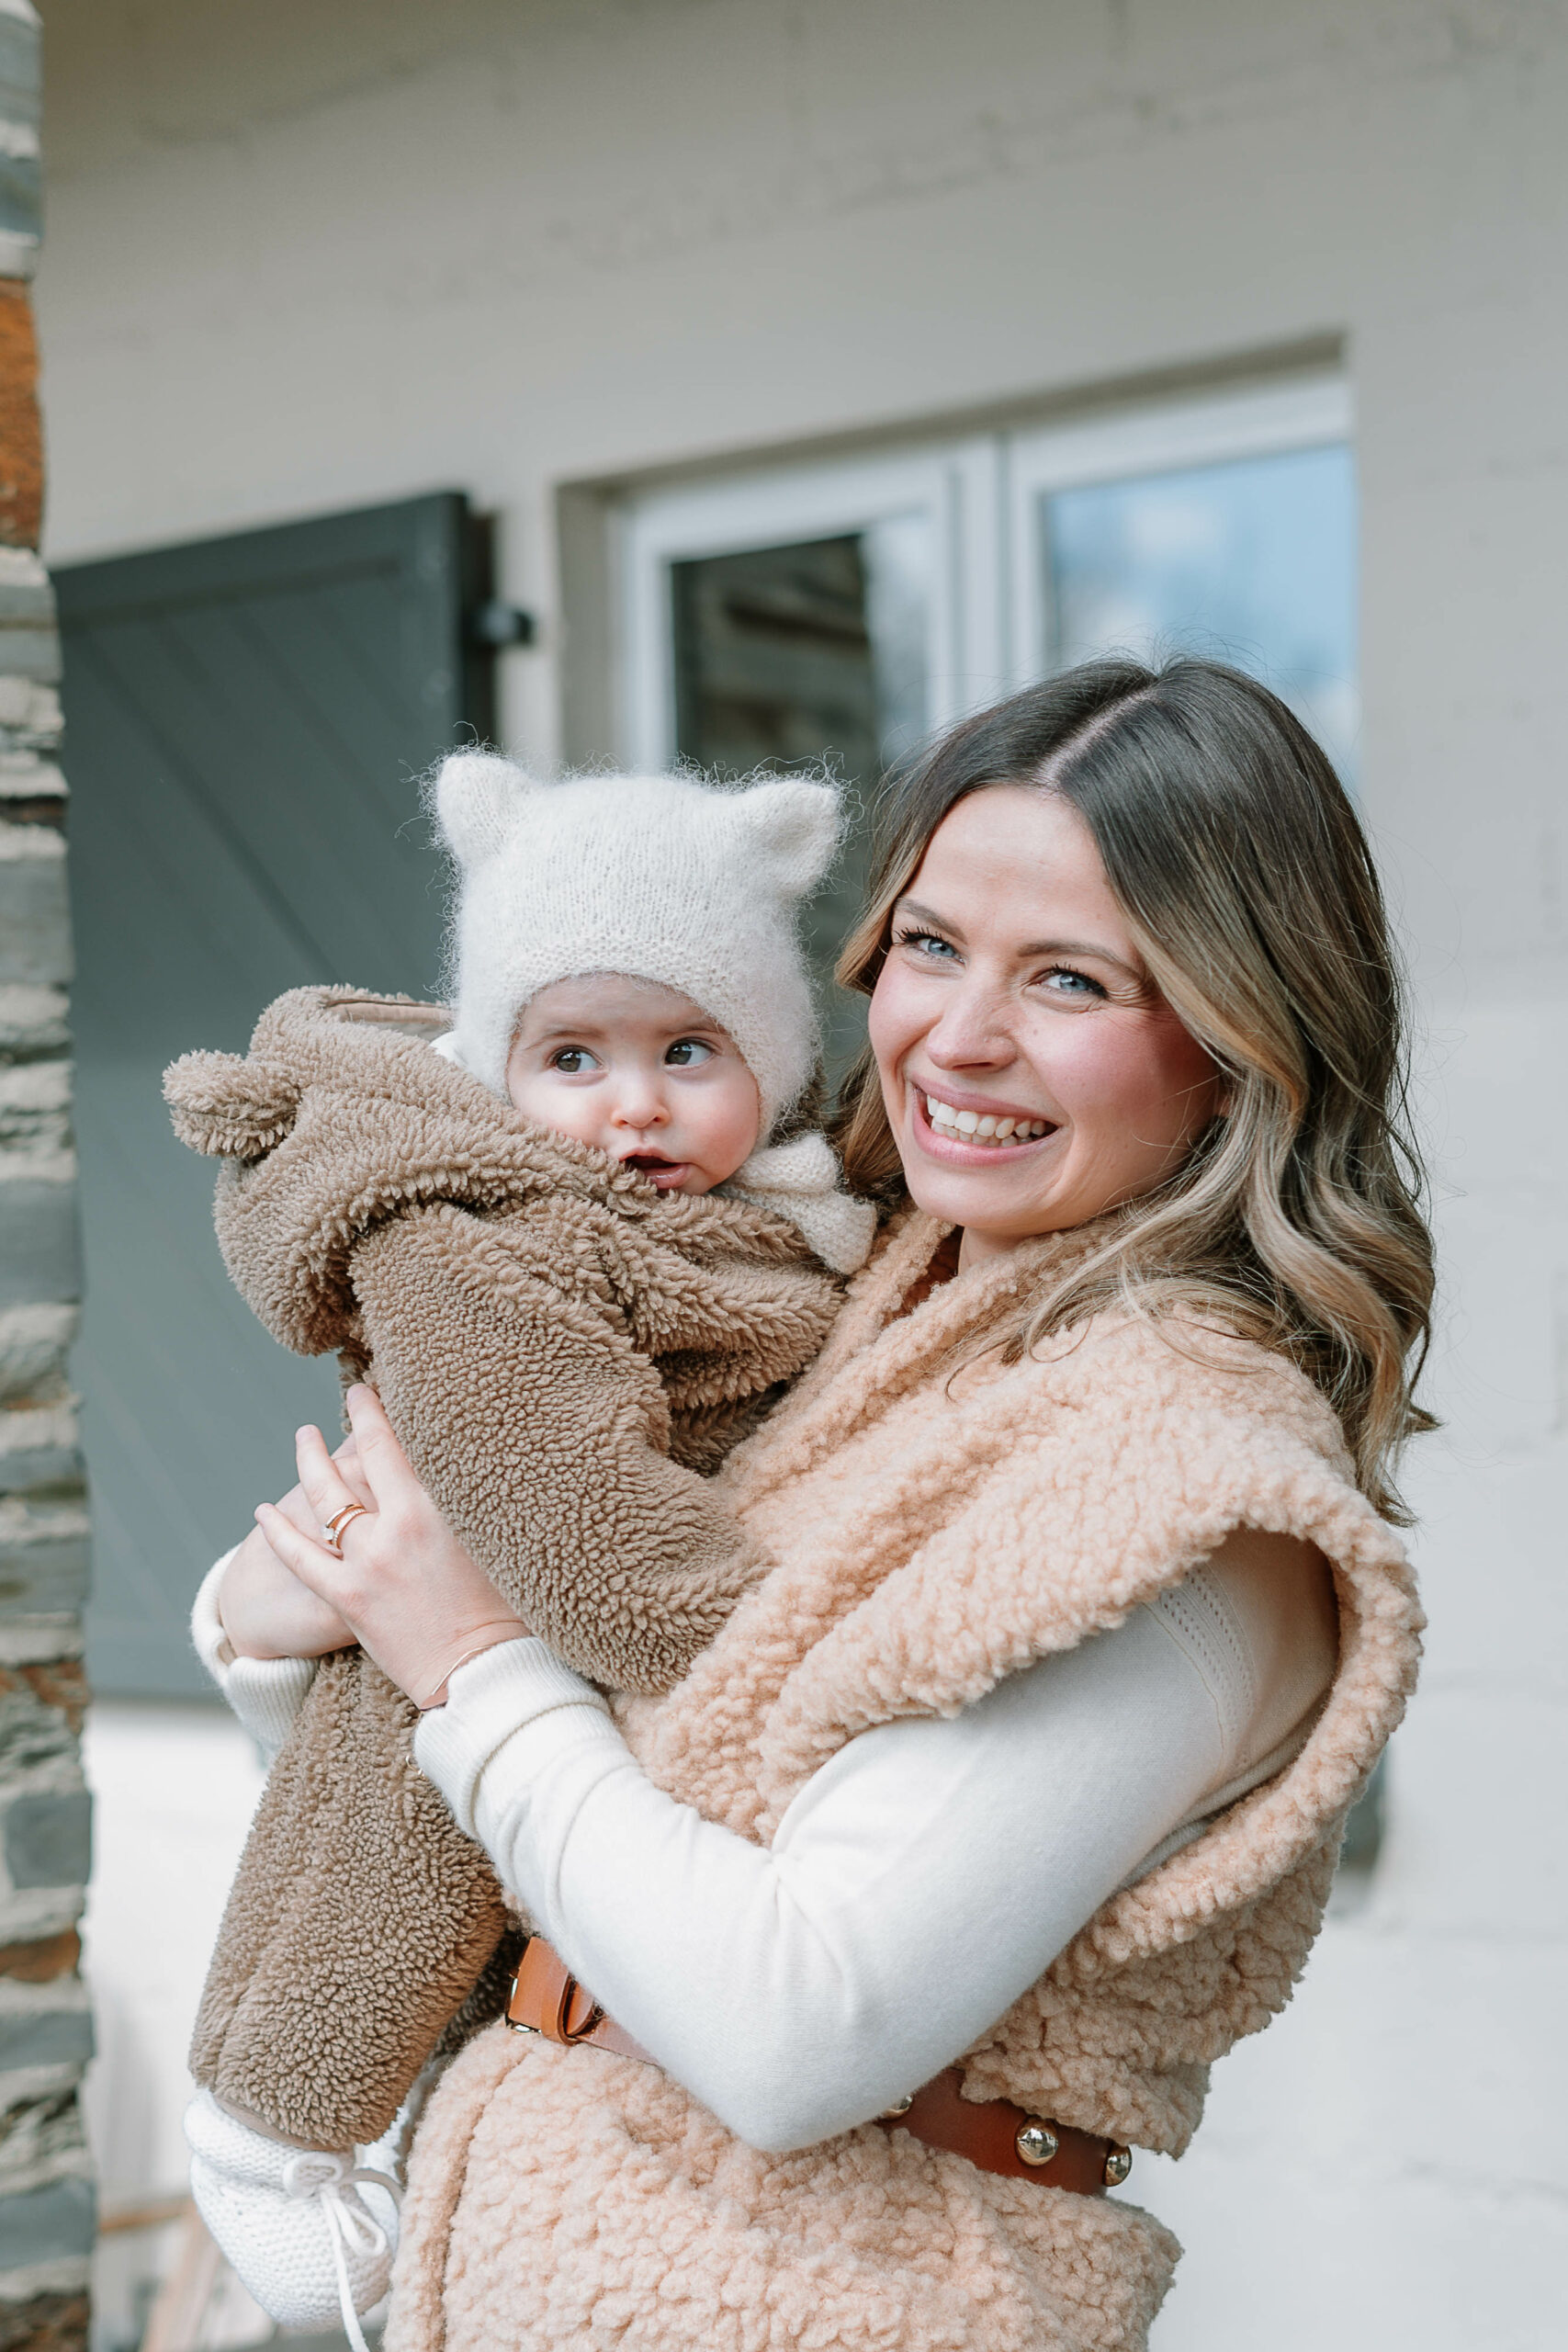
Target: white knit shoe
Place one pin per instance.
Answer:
(293, 2223)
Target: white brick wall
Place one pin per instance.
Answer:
(338, 255)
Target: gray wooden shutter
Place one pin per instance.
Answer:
(247, 718)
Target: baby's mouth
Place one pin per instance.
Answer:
(655, 1167)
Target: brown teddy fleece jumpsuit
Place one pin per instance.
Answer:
(564, 1353)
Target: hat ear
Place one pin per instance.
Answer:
(793, 821)
(480, 801)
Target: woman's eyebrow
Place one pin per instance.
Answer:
(1090, 947)
(912, 910)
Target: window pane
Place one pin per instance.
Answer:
(1252, 562)
(788, 657)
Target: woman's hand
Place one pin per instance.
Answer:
(266, 1611)
(409, 1592)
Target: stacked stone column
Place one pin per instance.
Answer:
(45, 2196)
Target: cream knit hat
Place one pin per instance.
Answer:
(658, 876)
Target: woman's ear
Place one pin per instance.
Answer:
(793, 821)
(478, 799)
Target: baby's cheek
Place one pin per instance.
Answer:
(725, 1127)
(557, 1107)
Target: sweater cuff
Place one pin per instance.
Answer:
(213, 1647)
(487, 1701)
(266, 1694)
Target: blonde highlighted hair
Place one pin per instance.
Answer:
(1245, 876)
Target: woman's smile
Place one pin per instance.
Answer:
(967, 1131)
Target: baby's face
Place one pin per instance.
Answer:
(639, 1071)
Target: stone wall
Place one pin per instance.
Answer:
(47, 2215)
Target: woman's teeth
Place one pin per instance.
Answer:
(981, 1127)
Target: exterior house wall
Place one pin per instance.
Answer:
(46, 2190)
(328, 254)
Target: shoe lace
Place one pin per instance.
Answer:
(350, 2226)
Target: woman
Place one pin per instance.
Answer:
(1080, 1617)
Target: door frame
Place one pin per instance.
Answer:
(957, 486)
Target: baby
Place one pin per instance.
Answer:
(577, 1249)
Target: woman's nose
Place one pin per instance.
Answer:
(972, 1032)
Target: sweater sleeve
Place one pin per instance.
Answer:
(266, 1694)
(919, 1882)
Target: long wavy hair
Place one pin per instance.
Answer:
(1247, 883)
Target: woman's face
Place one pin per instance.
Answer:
(1014, 999)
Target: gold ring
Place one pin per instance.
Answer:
(333, 1529)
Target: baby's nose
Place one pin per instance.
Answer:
(643, 1107)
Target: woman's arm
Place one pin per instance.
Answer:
(914, 1888)
(918, 1883)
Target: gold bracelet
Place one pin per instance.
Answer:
(438, 1696)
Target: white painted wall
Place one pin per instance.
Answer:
(332, 251)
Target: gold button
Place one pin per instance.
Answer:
(1118, 2165)
(899, 2106)
(1036, 2142)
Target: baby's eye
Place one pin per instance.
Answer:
(572, 1060)
(686, 1053)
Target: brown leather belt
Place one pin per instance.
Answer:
(547, 1998)
(993, 2133)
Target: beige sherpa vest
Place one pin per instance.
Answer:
(930, 1533)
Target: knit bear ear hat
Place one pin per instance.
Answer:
(659, 876)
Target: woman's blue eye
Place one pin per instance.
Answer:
(1062, 980)
(687, 1052)
(926, 942)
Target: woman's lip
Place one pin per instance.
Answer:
(961, 1151)
(985, 1106)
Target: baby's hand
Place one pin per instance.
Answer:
(266, 1611)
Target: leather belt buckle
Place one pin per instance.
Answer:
(547, 1998)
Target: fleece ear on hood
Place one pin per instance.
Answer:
(228, 1107)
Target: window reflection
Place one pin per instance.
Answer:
(1252, 561)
